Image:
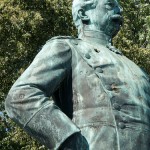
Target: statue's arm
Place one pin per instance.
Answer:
(28, 102)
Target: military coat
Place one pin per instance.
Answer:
(96, 91)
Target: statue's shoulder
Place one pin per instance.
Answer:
(61, 38)
(65, 42)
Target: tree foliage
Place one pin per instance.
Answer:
(26, 25)
(134, 38)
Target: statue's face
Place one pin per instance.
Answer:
(107, 16)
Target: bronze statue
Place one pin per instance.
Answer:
(101, 99)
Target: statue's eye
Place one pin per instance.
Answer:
(109, 5)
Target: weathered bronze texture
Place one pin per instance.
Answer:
(101, 99)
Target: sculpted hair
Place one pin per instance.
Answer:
(78, 5)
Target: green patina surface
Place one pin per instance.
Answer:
(101, 99)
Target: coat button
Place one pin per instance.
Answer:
(108, 87)
(99, 70)
(96, 50)
(124, 119)
(87, 55)
(121, 125)
(117, 106)
(75, 42)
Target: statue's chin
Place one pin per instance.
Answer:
(113, 30)
(114, 25)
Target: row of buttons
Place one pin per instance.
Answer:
(121, 125)
(99, 70)
(116, 106)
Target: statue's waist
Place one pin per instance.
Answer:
(112, 116)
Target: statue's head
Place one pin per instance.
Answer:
(101, 15)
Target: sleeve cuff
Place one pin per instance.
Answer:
(51, 127)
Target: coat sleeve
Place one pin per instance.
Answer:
(28, 102)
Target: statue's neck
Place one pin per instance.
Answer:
(96, 37)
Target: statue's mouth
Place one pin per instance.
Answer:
(117, 19)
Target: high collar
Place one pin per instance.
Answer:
(96, 37)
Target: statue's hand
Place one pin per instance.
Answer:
(75, 142)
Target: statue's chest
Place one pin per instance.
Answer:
(99, 70)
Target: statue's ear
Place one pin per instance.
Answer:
(82, 15)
